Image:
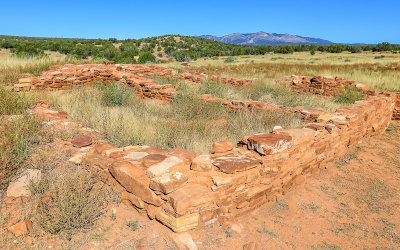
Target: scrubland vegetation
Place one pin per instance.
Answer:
(73, 199)
(188, 122)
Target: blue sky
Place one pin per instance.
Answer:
(368, 21)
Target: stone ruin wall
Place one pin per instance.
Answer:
(326, 86)
(183, 190)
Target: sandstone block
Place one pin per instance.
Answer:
(202, 163)
(269, 143)
(232, 163)
(164, 166)
(82, 141)
(21, 228)
(168, 182)
(19, 187)
(180, 224)
(134, 179)
(221, 147)
(136, 156)
(190, 197)
(152, 159)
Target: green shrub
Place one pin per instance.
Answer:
(349, 96)
(146, 57)
(215, 57)
(115, 94)
(379, 57)
(229, 59)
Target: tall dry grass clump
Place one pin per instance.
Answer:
(18, 131)
(70, 200)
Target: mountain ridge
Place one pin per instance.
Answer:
(262, 38)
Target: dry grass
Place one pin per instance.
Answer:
(381, 74)
(13, 68)
(70, 200)
(18, 131)
(188, 122)
(267, 91)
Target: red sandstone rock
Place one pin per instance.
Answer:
(232, 163)
(21, 228)
(183, 154)
(221, 147)
(134, 179)
(267, 144)
(190, 197)
(168, 182)
(82, 141)
(152, 159)
(202, 163)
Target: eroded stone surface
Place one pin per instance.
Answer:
(82, 141)
(232, 163)
(21, 228)
(19, 187)
(168, 182)
(202, 163)
(178, 224)
(190, 197)
(164, 166)
(267, 144)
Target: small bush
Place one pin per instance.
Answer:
(215, 58)
(349, 96)
(379, 57)
(229, 59)
(146, 57)
(114, 94)
(73, 202)
(133, 225)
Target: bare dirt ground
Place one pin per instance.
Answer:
(353, 204)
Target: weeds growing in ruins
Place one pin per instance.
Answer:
(18, 131)
(349, 96)
(188, 122)
(114, 94)
(73, 200)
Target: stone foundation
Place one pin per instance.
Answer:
(325, 86)
(184, 190)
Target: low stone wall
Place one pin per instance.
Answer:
(67, 76)
(184, 190)
(325, 86)
(197, 78)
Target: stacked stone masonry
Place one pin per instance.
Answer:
(183, 190)
(326, 86)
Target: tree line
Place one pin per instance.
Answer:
(181, 48)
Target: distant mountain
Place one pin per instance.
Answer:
(263, 38)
